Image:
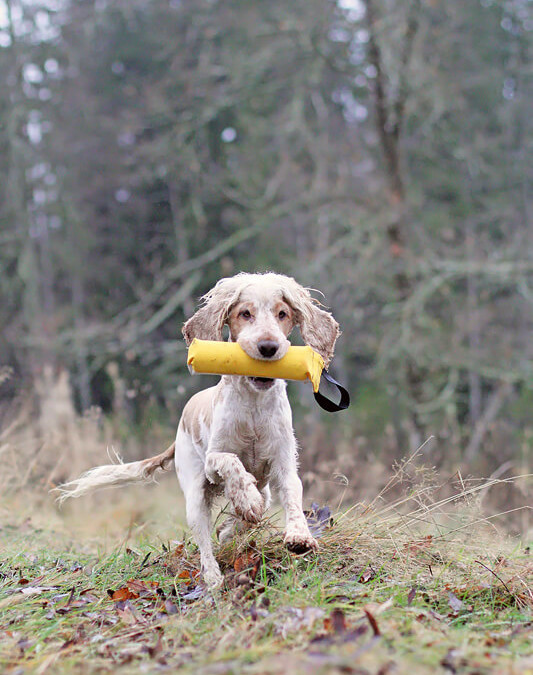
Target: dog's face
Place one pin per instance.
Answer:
(260, 323)
(261, 310)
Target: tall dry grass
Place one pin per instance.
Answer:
(343, 470)
(43, 441)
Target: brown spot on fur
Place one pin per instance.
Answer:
(160, 461)
(320, 331)
(198, 411)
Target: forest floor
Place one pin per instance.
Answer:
(418, 585)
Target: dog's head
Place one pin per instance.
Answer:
(261, 310)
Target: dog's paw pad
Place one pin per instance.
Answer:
(300, 544)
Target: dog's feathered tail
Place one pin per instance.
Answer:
(115, 475)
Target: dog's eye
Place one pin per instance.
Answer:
(245, 314)
(282, 314)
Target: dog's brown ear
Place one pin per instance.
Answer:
(318, 327)
(204, 325)
(320, 331)
(209, 320)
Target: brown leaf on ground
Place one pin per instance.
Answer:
(121, 594)
(141, 587)
(389, 667)
(420, 546)
(367, 575)
(245, 560)
(174, 560)
(156, 649)
(127, 613)
(335, 622)
(372, 621)
(337, 630)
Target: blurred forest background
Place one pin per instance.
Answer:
(377, 150)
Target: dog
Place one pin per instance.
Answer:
(236, 438)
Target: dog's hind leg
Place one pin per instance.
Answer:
(192, 479)
(199, 520)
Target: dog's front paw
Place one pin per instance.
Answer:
(300, 541)
(248, 502)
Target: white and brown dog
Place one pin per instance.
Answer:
(236, 438)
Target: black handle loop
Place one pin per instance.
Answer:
(326, 403)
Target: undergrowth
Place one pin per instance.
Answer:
(419, 584)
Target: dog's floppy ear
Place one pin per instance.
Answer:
(204, 325)
(209, 320)
(317, 326)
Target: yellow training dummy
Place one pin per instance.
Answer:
(228, 358)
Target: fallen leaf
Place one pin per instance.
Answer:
(387, 668)
(142, 587)
(153, 651)
(244, 561)
(372, 621)
(368, 575)
(24, 643)
(126, 612)
(34, 590)
(318, 519)
(121, 594)
(454, 602)
(195, 594)
(295, 619)
(419, 546)
(171, 607)
(335, 622)
(174, 560)
(450, 661)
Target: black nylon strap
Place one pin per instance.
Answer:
(328, 405)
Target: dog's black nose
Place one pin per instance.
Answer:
(267, 348)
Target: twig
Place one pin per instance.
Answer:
(497, 577)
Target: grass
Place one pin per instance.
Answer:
(416, 585)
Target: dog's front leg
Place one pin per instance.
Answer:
(298, 538)
(232, 524)
(239, 485)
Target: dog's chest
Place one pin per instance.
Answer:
(252, 442)
(258, 431)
